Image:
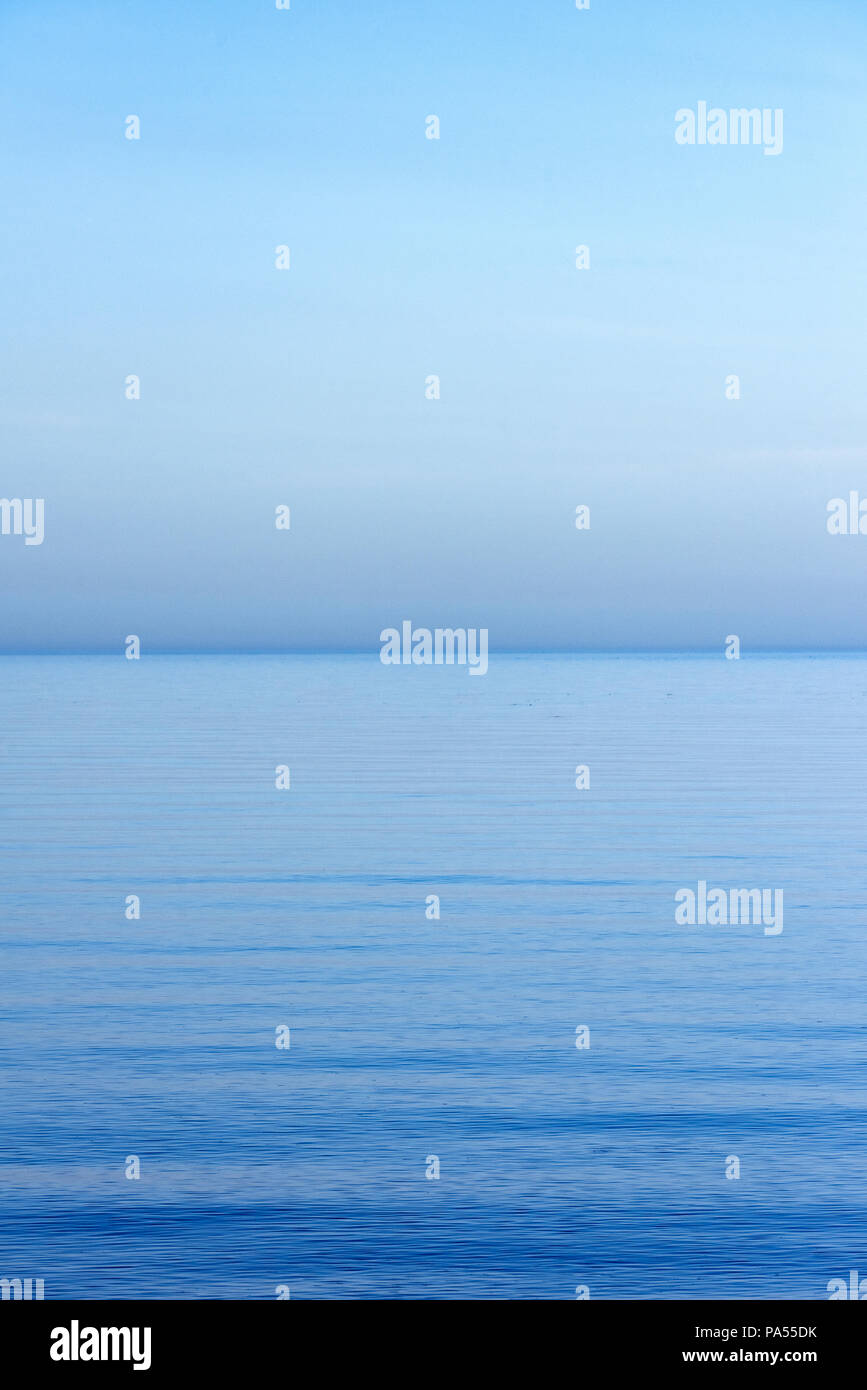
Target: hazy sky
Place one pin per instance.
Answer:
(412, 257)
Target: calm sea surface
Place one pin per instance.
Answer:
(413, 1037)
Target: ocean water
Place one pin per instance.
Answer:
(560, 1167)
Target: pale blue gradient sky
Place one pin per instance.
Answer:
(411, 257)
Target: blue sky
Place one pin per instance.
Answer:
(412, 257)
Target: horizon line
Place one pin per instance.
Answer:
(374, 654)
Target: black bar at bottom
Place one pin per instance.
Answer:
(164, 1340)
